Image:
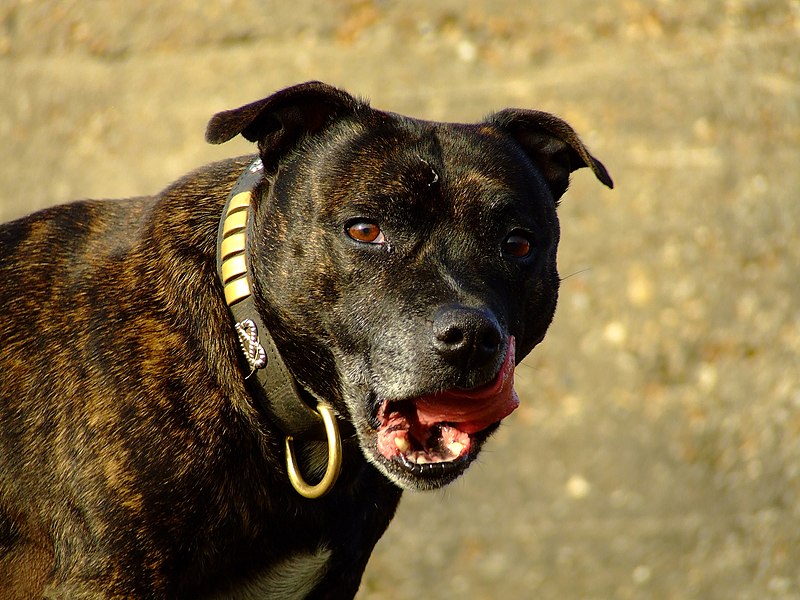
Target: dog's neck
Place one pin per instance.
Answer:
(274, 388)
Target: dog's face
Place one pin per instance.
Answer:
(407, 266)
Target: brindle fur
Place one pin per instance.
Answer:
(133, 461)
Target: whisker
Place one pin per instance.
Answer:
(576, 273)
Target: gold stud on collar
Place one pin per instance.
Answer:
(234, 265)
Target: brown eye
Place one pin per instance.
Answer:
(366, 232)
(517, 245)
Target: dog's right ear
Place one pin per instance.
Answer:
(278, 122)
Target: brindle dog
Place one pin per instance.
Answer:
(402, 268)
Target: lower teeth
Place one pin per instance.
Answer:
(454, 451)
(455, 448)
(435, 454)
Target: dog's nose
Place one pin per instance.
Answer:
(466, 337)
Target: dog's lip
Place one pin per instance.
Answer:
(475, 409)
(434, 432)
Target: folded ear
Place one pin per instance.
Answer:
(281, 120)
(552, 145)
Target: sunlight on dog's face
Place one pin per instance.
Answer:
(438, 245)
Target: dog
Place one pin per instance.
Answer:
(221, 391)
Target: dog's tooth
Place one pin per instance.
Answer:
(455, 448)
(402, 444)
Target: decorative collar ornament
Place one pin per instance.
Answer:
(275, 389)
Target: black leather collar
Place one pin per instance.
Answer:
(274, 388)
(277, 392)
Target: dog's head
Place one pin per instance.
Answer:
(405, 267)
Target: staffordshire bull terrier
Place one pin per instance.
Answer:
(220, 391)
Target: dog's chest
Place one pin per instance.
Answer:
(292, 578)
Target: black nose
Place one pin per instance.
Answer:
(466, 337)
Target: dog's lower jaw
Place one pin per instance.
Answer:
(416, 468)
(421, 475)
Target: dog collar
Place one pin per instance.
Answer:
(275, 389)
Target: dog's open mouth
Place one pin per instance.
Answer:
(439, 429)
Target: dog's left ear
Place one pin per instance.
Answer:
(281, 120)
(552, 145)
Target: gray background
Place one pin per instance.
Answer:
(657, 450)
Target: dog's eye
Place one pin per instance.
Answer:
(517, 245)
(366, 232)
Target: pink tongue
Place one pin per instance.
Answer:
(473, 410)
